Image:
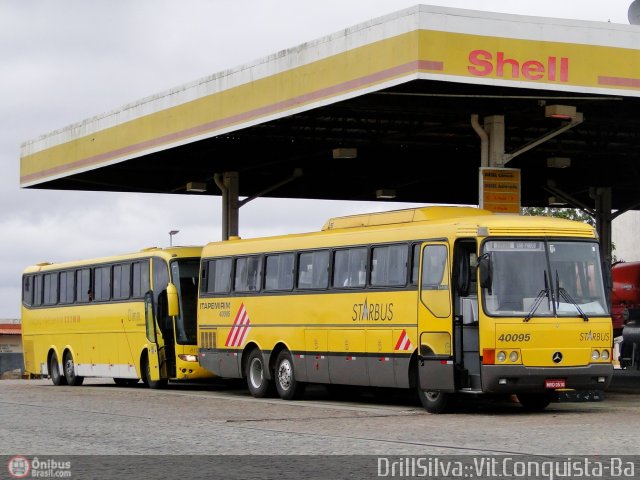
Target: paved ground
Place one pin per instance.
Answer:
(101, 418)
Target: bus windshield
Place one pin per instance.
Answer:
(535, 278)
(184, 273)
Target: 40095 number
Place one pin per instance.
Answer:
(514, 337)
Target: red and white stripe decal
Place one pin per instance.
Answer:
(403, 342)
(239, 329)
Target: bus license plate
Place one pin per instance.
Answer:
(555, 383)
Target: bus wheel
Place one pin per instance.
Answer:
(434, 402)
(146, 375)
(54, 371)
(286, 384)
(534, 402)
(126, 382)
(70, 371)
(257, 381)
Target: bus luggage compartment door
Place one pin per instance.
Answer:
(436, 365)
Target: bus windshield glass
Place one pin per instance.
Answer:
(184, 273)
(535, 278)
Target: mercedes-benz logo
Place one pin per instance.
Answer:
(556, 357)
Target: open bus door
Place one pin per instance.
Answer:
(156, 352)
(436, 365)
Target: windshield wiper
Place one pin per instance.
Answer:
(565, 295)
(545, 292)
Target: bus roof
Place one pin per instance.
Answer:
(420, 223)
(167, 253)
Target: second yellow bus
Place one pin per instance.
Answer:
(451, 301)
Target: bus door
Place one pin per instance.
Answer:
(156, 352)
(465, 314)
(436, 366)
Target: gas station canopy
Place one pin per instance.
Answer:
(393, 108)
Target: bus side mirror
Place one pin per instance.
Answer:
(484, 265)
(173, 306)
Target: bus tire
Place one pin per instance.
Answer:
(435, 402)
(286, 384)
(145, 369)
(54, 371)
(70, 371)
(534, 402)
(126, 382)
(257, 381)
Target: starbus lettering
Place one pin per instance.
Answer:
(372, 311)
(552, 69)
(597, 336)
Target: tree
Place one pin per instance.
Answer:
(569, 214)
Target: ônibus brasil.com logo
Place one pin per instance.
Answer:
(20, 467)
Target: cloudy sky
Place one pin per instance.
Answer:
(65, 61)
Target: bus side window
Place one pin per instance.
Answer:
(121, 281)
(27, 290)
(389, 265)
(248, 274)
(51, 288)
(415, 266)
(83, 285)
(102, 283)
(350, 267)
(141, 283)
(67, 286)
(313, 269)
(279, 272)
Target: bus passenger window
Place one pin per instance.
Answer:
(279, 272)
(51, 289)
(37, 290)
(102, 283)
(27, 290)
(248, 274)
(218, 276)
(67, 287)
(141, 283)
(389, 265)
(121, 281)
(313, 269)
(83, 285)
(350, 267)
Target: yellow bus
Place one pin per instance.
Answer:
(127, 317)
(451, 301)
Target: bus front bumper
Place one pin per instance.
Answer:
(519, 378)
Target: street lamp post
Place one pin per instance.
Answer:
(171, 234)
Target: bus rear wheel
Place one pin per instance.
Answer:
(54, 371)
(70, 371)
(256, 373)
(286, 384)
(435, 402)
(534, 402)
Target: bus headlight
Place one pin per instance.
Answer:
(513, 357)
(605, 355)
(595, 355)
(188, 357)
(501, 357)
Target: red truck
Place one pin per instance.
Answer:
(625, 310)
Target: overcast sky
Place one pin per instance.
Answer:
(65, 61)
